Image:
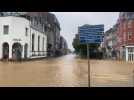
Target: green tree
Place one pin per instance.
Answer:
(81, 49)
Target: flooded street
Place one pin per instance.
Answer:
(56, 72)
(112, 74)
(66, 71)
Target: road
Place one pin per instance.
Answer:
(108, 73)
(66, 71)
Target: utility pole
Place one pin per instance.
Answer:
(88, 58)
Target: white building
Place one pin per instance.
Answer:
(20, 37)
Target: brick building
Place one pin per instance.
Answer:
(125, 36)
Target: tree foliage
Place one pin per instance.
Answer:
(81, 49)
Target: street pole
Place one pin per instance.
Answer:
(88, 58)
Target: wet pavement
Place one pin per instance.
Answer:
(66, 71)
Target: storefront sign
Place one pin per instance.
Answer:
(17, 40)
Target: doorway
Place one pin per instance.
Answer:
(16, 51)
(5, 50)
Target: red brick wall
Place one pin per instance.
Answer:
(122, 33)
(131, 40)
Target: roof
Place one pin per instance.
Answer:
(51, 18)
(126, 15)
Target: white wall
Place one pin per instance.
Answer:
(17, 27)
(36, 34)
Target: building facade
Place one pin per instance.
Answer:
(22, 36)
(53, 35)
(63, 46)
(110, 40)
(125, 33)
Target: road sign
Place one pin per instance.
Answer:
(91, 39)
(91, 30)
(90, 34)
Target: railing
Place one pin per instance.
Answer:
(39, 53)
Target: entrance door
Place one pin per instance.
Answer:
(5, 51)
(16, 51)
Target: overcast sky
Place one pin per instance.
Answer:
(69, 22)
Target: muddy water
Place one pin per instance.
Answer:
(60, 72)
(112, 74)
(67, 71)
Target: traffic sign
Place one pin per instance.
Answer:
(90, 41)
(91, 34)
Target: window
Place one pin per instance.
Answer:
(35, 21)
(32, 42)
(124, 26)
(43, 44)
(130, 50)
(129, 24)
(129, 35)
(124, 36)
(43, 28)
(6, 29)
(38, 43)
(26, 31)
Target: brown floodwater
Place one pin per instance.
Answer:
(108, 73)
(67, 71)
